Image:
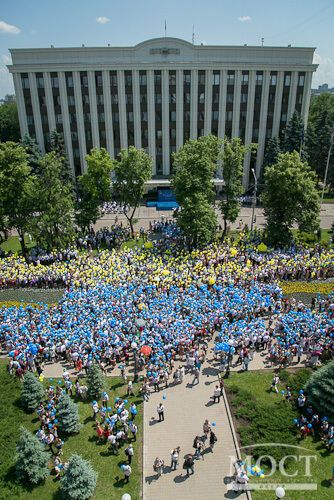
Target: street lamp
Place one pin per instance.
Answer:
(280, 492)
(254, 198)
(327, 165)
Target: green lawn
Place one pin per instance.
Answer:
(133, 243)
(109, 484)
(13, 244)
(257, 385)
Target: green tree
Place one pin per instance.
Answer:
(68, 415)
(320, 390)
(52, 226)
(32, 392)
(132, 171)
(95, 382)
(57, 145)
(17, 190)
(9, 121)
(94, 187)
(272, 151)
(293, 134)
(232, 157)
(79, 480)
(31, 458)
(289, 197)
(33, 152)
(195, 164)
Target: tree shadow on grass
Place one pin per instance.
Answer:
(326, 483)
(11, 478)
(120, 482)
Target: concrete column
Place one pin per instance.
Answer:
(21, 108)
(306, 97)
(292, 94)
(136, 108)
(49, 101)
(151, 119)
(263, 121)
(249, 124)
(193, 104)
(179, 109)
(208, 102)
(222, 103)
(278, 103)
(36, 111)
(80, 119)
(66, 119)
(93, 109)
(122, 109)
(108, 112)
(236, 104)
(165, 120)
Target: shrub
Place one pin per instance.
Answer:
(320, 390)
(32, 392)
(95, 382)
(79, 480)
(68, 415)
(31, 459)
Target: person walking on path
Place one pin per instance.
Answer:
(130, 389)
(206, 428)
(174, 454)
(129, 453)
(188, 465)
(196, 375)
(274, 383)
(212, 440)
(158, 466)
(161, 412)
(216, 394)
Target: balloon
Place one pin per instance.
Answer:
(109, 408)
(213, 424)
(301, 391)
(164, 397)
(309, 426)
(126, 401)
(295, 421)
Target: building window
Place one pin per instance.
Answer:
(300, 99)
(101, 117)
(69, 81)
(215, 98)
(201, 78)
(25, 82)
(143, 98)
(243, 115)
(215, 79)
(229, 98)
(230, 78)
(30, 119)
(159, 134)
(301, 80)
(98, 79)
(84, 80)
(187, 79)
(172, 98)
(187, 116)
(59, 119)
(128, 80)
(144, 116)
(85, 99)
(130, 116)
(259, 78)
(244, 79)
(128, 99)
(201, 116)
(73, 118)
(115, 117)
(74, 136)
(273, 79)
(157, 116)
(229, 116)
(99, 98)
(114, 98)
(113, 80)
(173, 116)
(70, 100)
(44, 119)
(200, 132)
(187, 98)
(215, 115)
(40, 82)
(287, 80)
(201, 98)
(244, 97)
(172, 79)
(173, 133)
(54, 82)
(157, 78)
(157, 98)
(283, 117)
(76, 153)
(271, 96)
(142, 80)
(86, 117)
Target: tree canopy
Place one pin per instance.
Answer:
(9, 122)
(293, 134)
(289, 197)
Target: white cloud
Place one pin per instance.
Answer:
(325, 71)
(244, 19)
(6, 59)
(102, 20)
(9, 28)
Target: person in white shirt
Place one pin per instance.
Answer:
(127, 472)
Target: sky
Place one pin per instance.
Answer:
(71, 23)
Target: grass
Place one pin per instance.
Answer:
(256, 385)
(133, 243)
(109, 484)
(13, 244)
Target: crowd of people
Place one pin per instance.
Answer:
(112, 207)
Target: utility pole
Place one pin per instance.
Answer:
(327, 165)
(254, 198)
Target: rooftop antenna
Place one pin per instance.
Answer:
(165, 28)
(262, 41)
(193, 36)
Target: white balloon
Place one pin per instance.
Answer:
(280, 492)
(126, 496)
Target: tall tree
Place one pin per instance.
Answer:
(9, 121)
(79, 480)
(290, 197)
(232, 157)
(68, 415)
(57, 145)
(31, 458)
(320, 390)
(17, 190)
(195, 164)
(32, 392)
(94, 187)
(132, 171)
(293, 135)
(272, 151)
(95, 382)
(33, 152)
(52, 225)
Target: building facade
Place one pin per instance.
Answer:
(158, 94)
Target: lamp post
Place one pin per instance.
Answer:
(134, 350)
(327, 165)
(254, 198)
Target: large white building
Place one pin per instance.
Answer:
(158, 94)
